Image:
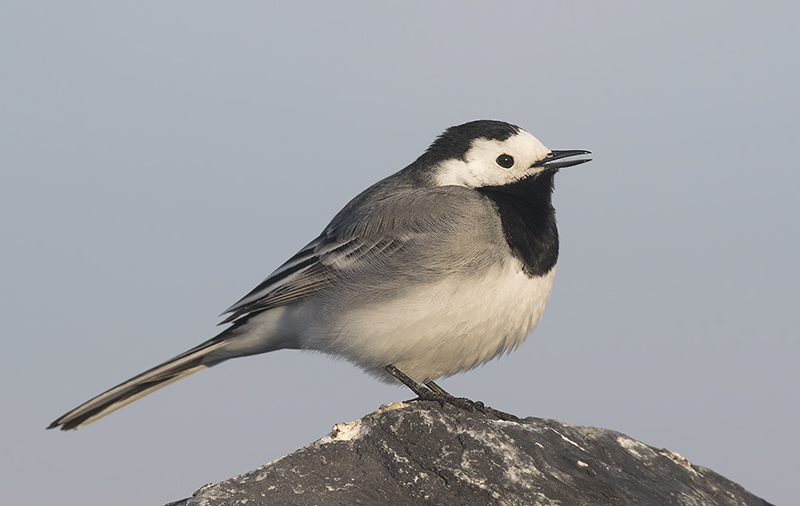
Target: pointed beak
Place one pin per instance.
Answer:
(548, 160)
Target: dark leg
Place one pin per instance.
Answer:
(434, 392)
(415, 387)
(436, 388)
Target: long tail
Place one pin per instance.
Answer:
(175, 369)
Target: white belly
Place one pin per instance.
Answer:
(438, 330)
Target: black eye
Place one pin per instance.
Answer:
(505, 161)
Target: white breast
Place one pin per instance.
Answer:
(438, 330)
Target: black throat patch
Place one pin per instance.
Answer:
(529, 221)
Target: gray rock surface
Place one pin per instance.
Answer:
(422, 453)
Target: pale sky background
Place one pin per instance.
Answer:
(160, 159)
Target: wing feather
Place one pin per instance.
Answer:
(413, 229)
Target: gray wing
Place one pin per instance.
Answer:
(420, 235)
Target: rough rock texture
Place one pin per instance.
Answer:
(422, 453)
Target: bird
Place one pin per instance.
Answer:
(432, 271)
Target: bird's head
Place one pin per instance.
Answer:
(491, 153)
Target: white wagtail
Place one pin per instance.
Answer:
(434, 270)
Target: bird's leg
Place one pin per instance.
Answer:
(415, 387)
(436, 388)
(434, 392)
(423, 394)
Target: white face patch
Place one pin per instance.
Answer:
(481, 167)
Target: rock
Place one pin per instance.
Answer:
(421, 453)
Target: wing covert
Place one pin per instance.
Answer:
(409, 234)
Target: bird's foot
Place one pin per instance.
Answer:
(433, 392)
